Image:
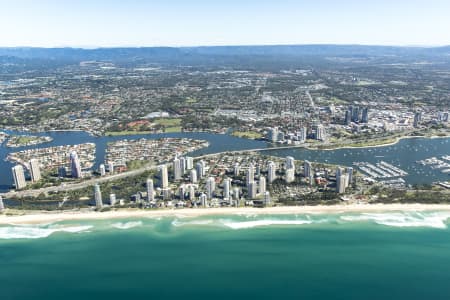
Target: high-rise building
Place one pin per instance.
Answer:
(350, 175)
(252, 190)
(236, 194)
(307, 169)
(181, 192)
(417, 119)
(290, 175)
(111, 167)
(164, 176)
(183, 165)
(193, 176)
(226, 188)
(200, 168)
(98, 196)
(210, 187)
(355, 116)
(189, 163)
(320, 133)
(150, 190)
(341, 181)
(267, 200)
(75, 167)
(191, 192)
(102, 170)
(2, 205)
(262, 185)
(303, 134)
(62, 172)
(365, 115)
(348, 117)
(177, 169)
(236, 169)
(250, 174)
(272, 172)
(35, 170)
(19, 177)
(112, 199)
(273, 135)
(290, 162)
(203, 200)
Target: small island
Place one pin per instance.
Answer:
(16, 141)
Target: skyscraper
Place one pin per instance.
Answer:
(341, 181)
(365, 115)
(226, 188)
(200, 168)
(236, 194)
(273, 135)
(164, 176)
(35, 170)
(307, 169)
(112, 199)
(191, 192)
(262, 185)
(203, 200)
(177, 169)
(150, 190)
(250, 174)
(290, 175)
(193, 176)
(272, 172)
(303, 134)
(210, 187)
(98, 196)
(19, 177)
(267, 200)
(102, 170)
(290, 162)
(111, 167)
(252, 190)
(183, 165)
(2, 205)
(189, 162)
(320, 132)
(237, 169)
(417, 119)
(348, 117)
(75, 166)
(350, 175)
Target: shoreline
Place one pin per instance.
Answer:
(41, 217)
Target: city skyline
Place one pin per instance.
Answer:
(91, 24)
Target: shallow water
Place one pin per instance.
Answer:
(305, 256)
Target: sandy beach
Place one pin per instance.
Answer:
(36, 217)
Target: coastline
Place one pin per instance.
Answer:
(39, 217)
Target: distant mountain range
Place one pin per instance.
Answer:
(172, 52)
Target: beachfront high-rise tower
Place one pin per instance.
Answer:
(150, 190)
(19, 177)
(272, 172)
(2, 205)
(75, 166)
(164, 176)
(35, 170)
(98, 196)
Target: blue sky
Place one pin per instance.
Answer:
(93, 23)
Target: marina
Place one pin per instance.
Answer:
(380, 169)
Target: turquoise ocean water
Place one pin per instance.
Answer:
(340, 256)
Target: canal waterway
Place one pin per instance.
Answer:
(404, 154)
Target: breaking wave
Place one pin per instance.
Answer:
(433, 220)
(127, 225)
(36, 232)
(260, 223)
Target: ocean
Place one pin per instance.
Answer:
(306, 256)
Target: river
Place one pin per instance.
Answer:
(404, 154)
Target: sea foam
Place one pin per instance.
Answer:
(260, 223)
(434, 220)
(36, 232)
(127, 225)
